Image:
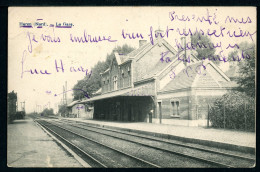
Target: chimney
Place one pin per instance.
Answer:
(142, 42)
(159, 33)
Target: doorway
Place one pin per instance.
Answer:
(160, 111)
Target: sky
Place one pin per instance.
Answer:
(28, 50)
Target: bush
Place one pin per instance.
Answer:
(47, 112)
(239, 112)
(63, 110)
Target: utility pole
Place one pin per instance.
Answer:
(21, 106)
(63, 101)
(66, 92)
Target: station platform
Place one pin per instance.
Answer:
(220, 138)
(29, 146)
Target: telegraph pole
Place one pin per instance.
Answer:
(66, 92)
(21, 106)
(63, 101)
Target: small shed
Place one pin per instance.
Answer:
(79, 109)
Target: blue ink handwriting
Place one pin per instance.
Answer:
(79, 107)
(189, 71)
(88, 38)
(32, 71)
(207, 19)
(131, 36)
(48, 92)
(235, 20)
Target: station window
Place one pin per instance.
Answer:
(129, 77)
(173, 113)
(175, 107)
(122, 79)
(115, 82)
(129, 70)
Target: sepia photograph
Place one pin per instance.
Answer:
(131, 87)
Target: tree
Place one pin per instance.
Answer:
(63, 110)
(93, 83)
(47, 112)
(234, 110)
(203, 46)
(246, 79)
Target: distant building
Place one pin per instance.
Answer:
(140, 87)
(12, 106)
(78, 109)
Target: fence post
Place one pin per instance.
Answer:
(224, 116)
(245, 115)
(208, 117)
(196, 112)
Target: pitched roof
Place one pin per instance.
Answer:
(206, 80)
(137, 51)
(181, 80)
(158, 67)
(108, 95)
(122, 58)
(108, 69)
(191, 77)
(99, 91)
(73, 103)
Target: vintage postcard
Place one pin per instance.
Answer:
(147, 87)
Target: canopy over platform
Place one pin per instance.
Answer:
(140, 91)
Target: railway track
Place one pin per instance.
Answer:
(93, 151)
(130, 137)
(200, 155)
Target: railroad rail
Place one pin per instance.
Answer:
(118, 154)
(205, 155)
(247, 158)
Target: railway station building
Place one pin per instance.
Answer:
(157, 83)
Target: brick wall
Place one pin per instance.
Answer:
(145, 88)
(105, 82)
(125, 75)
(169, 110)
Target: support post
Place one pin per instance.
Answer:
(224, 116)
(197, 112)
(66, 92)
(160, 111)
(245, 117)
(208, 117)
